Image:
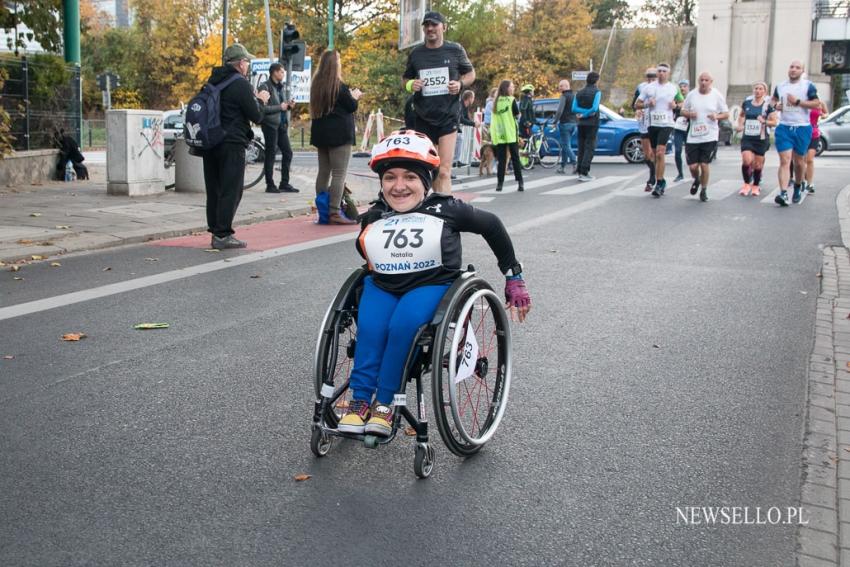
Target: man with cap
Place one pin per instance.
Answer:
(659, 100)
(224, 165)
(436, 73)
(275, 127)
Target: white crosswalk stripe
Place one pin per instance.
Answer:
(581, 187)
(512, 186)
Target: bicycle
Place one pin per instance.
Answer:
(540, 149)
(255, 155)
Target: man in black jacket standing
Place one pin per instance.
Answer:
(566, 121)
(586, 105)
(276, 131)
(224, 165)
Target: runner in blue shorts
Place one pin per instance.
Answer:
(793, 98)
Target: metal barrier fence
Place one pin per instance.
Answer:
(36, 111)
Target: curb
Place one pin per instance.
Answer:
(825, 478)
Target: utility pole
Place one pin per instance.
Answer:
(330, 24)
(269, 31)
(224, 33)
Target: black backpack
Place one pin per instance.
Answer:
(202, 126)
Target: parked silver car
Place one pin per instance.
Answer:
(835, 131)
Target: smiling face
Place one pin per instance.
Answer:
(403, 189)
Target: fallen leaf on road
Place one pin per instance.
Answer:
(37, 257)
(8, 357)
(62, 226)
(18, 278)
(45, 243)
(212, 250)
(14, 268)
(804, 292)
(35, 214)
(55, 264)
(655, 346)
(151, 259)
(255, 276)
(105, 269)
(553, 251)
(409, 431)
(24, 241)
(148, 326)
(73, 336)
(300, 477)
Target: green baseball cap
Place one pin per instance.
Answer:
(235, 52)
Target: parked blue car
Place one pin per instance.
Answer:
(617, 135)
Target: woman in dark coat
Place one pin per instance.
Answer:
(332, 108)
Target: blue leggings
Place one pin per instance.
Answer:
(386, 325)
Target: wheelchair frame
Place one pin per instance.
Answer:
(427, 353)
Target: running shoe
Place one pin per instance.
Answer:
(354, 421)
(745, 190)
(381, 422)
(648, 187)
(756, 191)
(782, 199)
(560, 169)
(679, 177)
(798, 194)
(810, 189)
(695, 187)
(703, 195)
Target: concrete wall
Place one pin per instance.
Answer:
(740, 42)
(28, 168)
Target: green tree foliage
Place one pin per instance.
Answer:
(670, 12)
(40, 16)
(607, 12)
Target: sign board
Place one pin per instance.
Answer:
(579, 75)
(835, 57)
(410, 22)
(301, 80)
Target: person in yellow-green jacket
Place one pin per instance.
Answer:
(504, 134)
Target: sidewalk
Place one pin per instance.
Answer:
(58, 218)
(825, 489)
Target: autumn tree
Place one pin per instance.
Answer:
(40, 16)
(670, 12)
(608, 12)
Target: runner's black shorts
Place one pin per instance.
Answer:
(435, 131)
(644, 135)
(658, 135)
(700, 153)
(755, 145)
(813, 145)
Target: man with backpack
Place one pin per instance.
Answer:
(223, 145)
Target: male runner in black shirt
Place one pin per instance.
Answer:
(436, 73)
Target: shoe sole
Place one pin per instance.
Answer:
(351, 428)
(379, 430)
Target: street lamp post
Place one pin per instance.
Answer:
(330, 24)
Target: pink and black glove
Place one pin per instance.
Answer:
(517, 295)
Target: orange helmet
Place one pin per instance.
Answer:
(404, 146)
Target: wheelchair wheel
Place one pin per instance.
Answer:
(320, 443)
(423, 462)
(471, 367)
(335, 347)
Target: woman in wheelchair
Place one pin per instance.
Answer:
(410, 239)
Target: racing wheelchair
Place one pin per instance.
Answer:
(466, 348)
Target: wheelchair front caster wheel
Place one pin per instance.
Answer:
(320, 443)
(423, 462)
(371, 441)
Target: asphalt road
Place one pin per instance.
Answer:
(663, 366)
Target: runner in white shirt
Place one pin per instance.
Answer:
(659, 100)
(794, 98)
(704, 108)
(643, 128)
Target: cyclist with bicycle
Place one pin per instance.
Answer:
(411, 241)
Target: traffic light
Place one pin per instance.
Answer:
(292, 50)
(108, 81)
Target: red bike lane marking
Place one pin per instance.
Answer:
(277, 233)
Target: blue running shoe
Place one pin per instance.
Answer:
(798, 194)
(782, 199)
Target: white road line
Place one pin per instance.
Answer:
(31, 307)
(638, 191)
(484, 199)
(512, 186)
(472, 184)
(719, 190)
(588, 185)
(164, 277)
